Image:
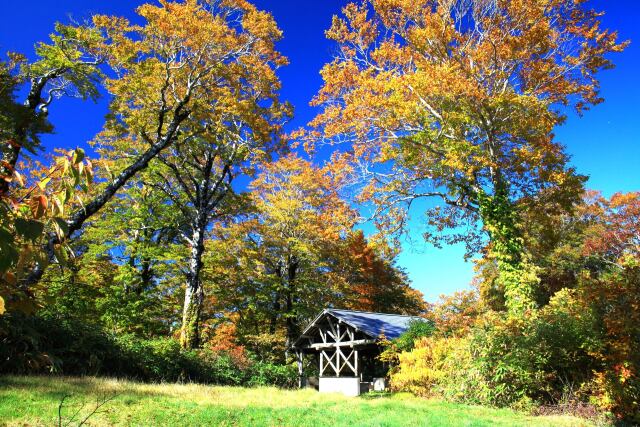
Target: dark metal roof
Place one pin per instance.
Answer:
(375, 324)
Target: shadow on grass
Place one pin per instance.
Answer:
(372, 395)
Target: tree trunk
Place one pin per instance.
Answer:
(290, 317)
(146, 275)
(275, 311)
(194, 293)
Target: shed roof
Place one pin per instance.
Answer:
(371, 324)
(376, 324)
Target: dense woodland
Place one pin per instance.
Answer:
(193, 238)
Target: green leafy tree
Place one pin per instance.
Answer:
(67, 66)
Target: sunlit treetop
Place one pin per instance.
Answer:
(452, 99)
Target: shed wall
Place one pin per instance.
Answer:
(349, 386)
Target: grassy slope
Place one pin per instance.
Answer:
(34, 401)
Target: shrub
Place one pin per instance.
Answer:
(545, 357)
(32, 344)
(36, 345)
(405, 342)
(423, 370)
(615, 299)
(265, 373)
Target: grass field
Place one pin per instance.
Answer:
(35, 401)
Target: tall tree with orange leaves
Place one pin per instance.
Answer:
(301, 219)
(456, 101)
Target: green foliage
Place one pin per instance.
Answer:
(99, 292)
(266, 373)
(545, 358)
(516, 275)
(74, 54)
(533, 359)
(417, 329)
(37, 345)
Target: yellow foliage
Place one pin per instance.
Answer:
(434, 361)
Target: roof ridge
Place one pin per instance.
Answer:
(371, 312)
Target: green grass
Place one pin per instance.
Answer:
(35, 400)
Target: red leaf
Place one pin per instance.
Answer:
(38, 206)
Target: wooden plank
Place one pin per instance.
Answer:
(329, 363)
(319, 346)
(342, 334)
(347, 362)
(323, 335)
(332, 332)
(335, 366)
(300, 360)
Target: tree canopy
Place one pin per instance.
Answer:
(457, 101)
(194, 237)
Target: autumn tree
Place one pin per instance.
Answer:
(456, 101)
(197, 179)
(301, 217)
(596, 235)
(589, 257)
(456, 314)
(238, 129)
(171, 76)
(287, 247)
(599, 259)
(373, 281)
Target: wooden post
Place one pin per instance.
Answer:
(322, 363)
(300, 359)
(356, 363)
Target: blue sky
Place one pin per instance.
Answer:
(603, 143)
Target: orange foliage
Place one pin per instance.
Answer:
(454, 315)
(225, 340)
(617, 236)
(456, 101)
(374, 283)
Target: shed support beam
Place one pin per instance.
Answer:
(353, 343)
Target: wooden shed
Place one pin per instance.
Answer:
(345, 346)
